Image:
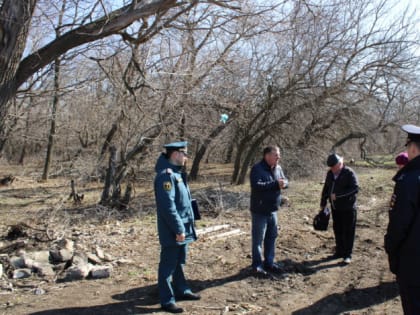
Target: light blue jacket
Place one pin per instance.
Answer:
(173, 203)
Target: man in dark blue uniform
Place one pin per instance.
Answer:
(340, 188)
(402, 239)
(175, 222)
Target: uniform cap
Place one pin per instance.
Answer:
(413, 133)
(177, 146)
(402, 158)
(333, 159)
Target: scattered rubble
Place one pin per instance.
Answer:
(61, 262)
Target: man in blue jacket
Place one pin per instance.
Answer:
(267, 180)
(402, 239)
(175, 222)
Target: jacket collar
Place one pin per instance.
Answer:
(265, 165)
(163, 163)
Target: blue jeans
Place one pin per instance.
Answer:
(264, 233)
(171, 279)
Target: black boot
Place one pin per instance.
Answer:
(172, 308)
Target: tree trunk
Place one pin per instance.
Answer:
(56, 99)
(257, 124)
(202, 151)
(238, 159)
(25, 142)
(248, 158)
(15, 18)
(77, 199)
(117, 172)
(229, 153)
(109, 176)
(127, 197)
(108, 140)
(237, 164)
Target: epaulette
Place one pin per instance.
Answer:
(167, 171)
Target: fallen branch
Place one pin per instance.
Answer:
(229, 233)
(12, 247)
(31, 227)
(212, 229)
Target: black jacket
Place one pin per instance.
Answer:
(265, 190)
(402, 239)
(345, 187)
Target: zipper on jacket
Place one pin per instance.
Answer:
(332, 189)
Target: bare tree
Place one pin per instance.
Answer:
(329, 62)
(15, 21)
(308, 76)
(56, 97)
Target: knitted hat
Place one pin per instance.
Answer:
(401, 158)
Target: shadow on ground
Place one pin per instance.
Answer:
(142, 300)
(351, 300)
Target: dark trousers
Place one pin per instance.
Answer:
(344, 226)
(410, 298)
(171, 279)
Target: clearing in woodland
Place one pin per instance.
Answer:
(218, 263)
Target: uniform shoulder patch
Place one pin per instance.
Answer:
(167, 185)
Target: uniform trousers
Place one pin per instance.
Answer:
(410, 298)
(171, 279)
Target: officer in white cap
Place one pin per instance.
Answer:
(402, 239)
(175, 221)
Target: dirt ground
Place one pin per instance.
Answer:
(217, 268)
